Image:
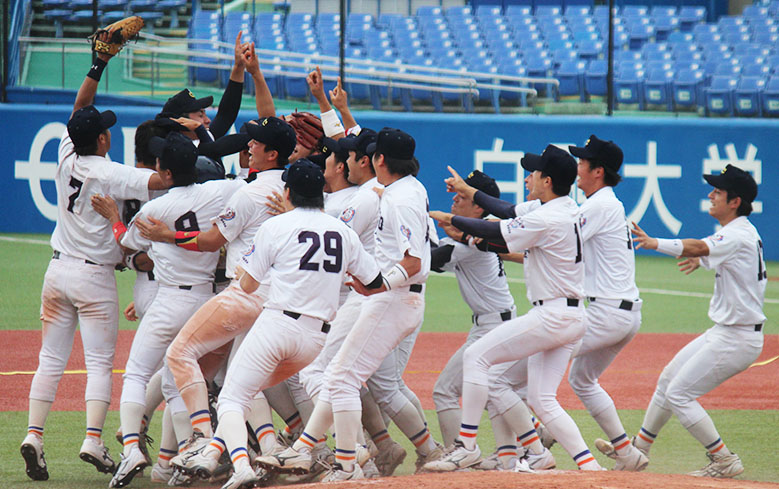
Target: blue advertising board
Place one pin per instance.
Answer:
(662, 185)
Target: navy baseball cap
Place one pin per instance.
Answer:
(274, 132)
(604, 153)
(185, 102)
(485, 183)
(87, 123)
(360, 142)
(305, 178)
(176, 152)
(736, 180)
(393, 143)
(554, 162)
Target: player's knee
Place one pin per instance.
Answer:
(443, 396)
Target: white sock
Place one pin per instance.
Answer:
(234, 431)
(38, 412)
(182, 427)
(131, 414)
(408, 421)
(321, 419)
(449, 422)
(654, 419)
(521, 422)
(706, 433)
(609, 422)
(505, 442)
(347, 427)
(474, 399)
(154, 395)
(96, 413)
(567, 434)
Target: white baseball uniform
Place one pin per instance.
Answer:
(736, 339)
(549, 235)
(613, 315)
(80, 287)
(336, 202)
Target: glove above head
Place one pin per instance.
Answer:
(308, 128)
(119, 33)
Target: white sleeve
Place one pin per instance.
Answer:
(127, 182)
(522, 233)
(460, 252)
(360, 213)
(361, 264)
(132, 239)
(524, 207)
(232, 220)
(410, 229)
(591, 220)
(722, 246)
(258, 260)
(66, 147)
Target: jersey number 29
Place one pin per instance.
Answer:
(333, 248)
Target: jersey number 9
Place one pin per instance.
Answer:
(333, 248)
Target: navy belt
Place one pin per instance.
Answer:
(189, 287)
(296, 316)
(571, 302)
(758, 327)
(56, 256)
(505, 316)
(624, 305)
(417, 288)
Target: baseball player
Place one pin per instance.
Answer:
(735, 253)
(79, 287)
(613, 315)
(185, 283)
(338, 189)
(403, 252)
(307, 254)
(232, 312)
(549, 235)
(483, 286)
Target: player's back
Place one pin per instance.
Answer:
(308, 254)
(190, 208)
(80, 231)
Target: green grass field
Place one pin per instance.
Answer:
(752, 434)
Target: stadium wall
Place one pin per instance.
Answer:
(662, 186)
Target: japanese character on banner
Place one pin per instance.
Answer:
(653, 172)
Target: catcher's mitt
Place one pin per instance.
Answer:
(119, 33)
(308, 128)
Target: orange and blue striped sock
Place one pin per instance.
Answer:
(35, 430)
(218, 444)
(531, 441)
(128, 441)
(346, 458)
(468, 435)
(423, 442)
(584, 458)
(505, 455)
(293, 424)
(164, 456)
(201, 421)
(240, 458)
(644, 439)
(536, 423)
(305, 442)
(717, 447)
(265, 437)
(621, 444)
(95, 433)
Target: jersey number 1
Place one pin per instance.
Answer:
(333, 248)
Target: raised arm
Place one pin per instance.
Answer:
(230, 103)
(263, 98)
(86, 93)
(340, 100)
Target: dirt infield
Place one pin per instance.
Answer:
(552, 479)
(630, 380)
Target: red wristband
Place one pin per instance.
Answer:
(119, 229)
(187, 240)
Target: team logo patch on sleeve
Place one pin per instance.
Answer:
(247, 254)
(717, 237)
(405, 231)
(582, 221)
(228, 215)
(347, 215)
(515, 223)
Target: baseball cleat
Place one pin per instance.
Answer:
(543, 461)
(422, 460)
(489, 463)
(635, 461)
(32, 452)
(161, 474)
(289, 461)
(242, 479)
(338, 474)
(198, 460)
(370, 471)
(94, 452)
(456, 459)
(606, 448)
(523, 467)
(389, 459)
(362, 455)
(721, 467)
(130, 466)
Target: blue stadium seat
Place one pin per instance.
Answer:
(548, 11)
(690, 16)
(488, 11)
(727, 68)
(687, 88)
(751, 11)
(726, 20)
(628, 87)
(570, 73)
(429, 11)
(641, 34)
(577, 11)
(658, 11)
(590, 50)
(747, 98)
(766, 38)
(603, 11)
(595, 78)
(688, 57)
(680, 37)
(751, 49)
(770, 100)
(658, 87)
(664, 26)
(516, 10)
(635, 11)
(540, 67)
(719, 95)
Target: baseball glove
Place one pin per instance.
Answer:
(308, 128)
(119, 33)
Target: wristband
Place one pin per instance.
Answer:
(187, 240)
(96, 71)
(354, 130)
(118, 229)
(673, 247)
(395, 277)
(331, 124)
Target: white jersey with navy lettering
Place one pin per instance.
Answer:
(550, 237)
(609, 261)
(80, 231)
(190, 208)
(245, 212)
(336, 202)
(481, 278)
(736, 255)
(307, 247)
(362, 213)
(403, 227)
